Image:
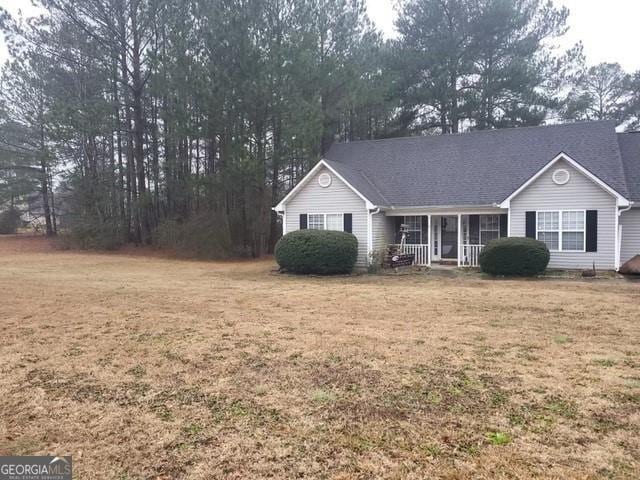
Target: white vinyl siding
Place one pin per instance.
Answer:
(579, 193)
(382, 227)
(337, 197)
(630, 226)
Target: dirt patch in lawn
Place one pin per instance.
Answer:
(144, 367)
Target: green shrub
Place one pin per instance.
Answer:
(514, 256)
(317, 251)
(9, 221)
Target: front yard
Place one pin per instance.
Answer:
(146, 367)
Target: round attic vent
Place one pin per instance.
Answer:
(324, 180)
(560, 176)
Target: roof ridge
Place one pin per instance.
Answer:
(479, 132)
(476, 168)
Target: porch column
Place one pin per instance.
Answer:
(429, 240)
(459, 238)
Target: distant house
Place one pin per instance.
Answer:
(575, 187)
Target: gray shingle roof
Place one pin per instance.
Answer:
(360, 181)
(630, 152)
(477, 168)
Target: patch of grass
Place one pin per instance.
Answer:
(561, 339)
(434, 398)
(498, 438)
(323, 396)
(633, 382)
(516, 419)
(192, 429)
(498, 398)
(334, 358)
(104, 361)
(74, 351)
(431, 450)
(138, 371)
(469, 448)
(261, 390)
(358, 443)
(629, 397)
(562, 407)
(165, 413)
(604, 362)
(237, 409)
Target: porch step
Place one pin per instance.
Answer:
(444, 268)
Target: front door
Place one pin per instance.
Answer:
(449, 238)
(435, 238)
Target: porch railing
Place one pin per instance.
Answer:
(469, 255)
(419, 250)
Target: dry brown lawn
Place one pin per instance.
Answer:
(149, 367)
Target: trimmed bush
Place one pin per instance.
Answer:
(514, 256)
(323, 252)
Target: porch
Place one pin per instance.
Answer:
(454, 239)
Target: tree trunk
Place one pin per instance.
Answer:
(138, 124)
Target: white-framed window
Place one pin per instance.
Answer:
(334, 221)
(489, 228)
(414, 229)
(325, 221)
(315, 221)
(562, 230)
(573, 231)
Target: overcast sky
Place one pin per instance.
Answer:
(608, 28)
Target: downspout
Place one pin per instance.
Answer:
(618, 236)
(626, 209)
(370, 233)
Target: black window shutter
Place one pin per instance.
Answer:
(504, 225)
(592, 231)
(474, 229)
(425, 229)
(347, 222)
(530, 230)
(303, 221)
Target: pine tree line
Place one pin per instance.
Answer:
(182, 122)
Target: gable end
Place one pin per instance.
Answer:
(563, 157)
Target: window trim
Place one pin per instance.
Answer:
(324, 220)
(561, 230)
(480, 229)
